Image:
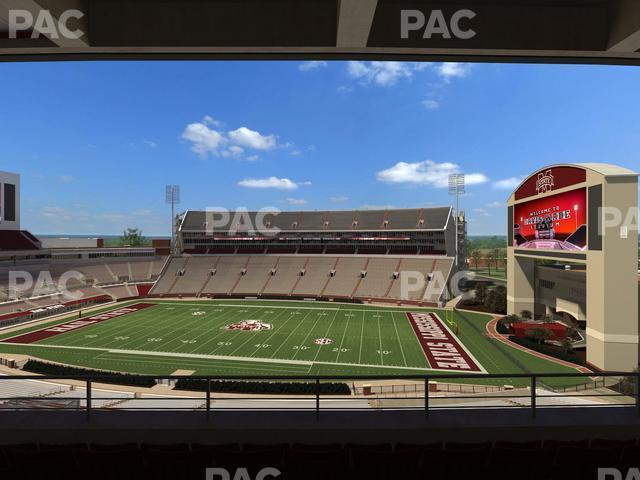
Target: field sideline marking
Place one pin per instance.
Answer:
(393, 320)
(345, 309)
(240, 359)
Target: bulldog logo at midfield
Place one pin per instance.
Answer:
(249, 326)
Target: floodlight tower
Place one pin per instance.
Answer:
(172, 197)
(456, 187)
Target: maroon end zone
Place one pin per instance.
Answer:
(440, 345)
(32, 337)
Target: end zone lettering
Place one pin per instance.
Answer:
(32, 337)
(441, 347)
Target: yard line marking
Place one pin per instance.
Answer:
(192, 322)
(291, 333)
(249, 339)
(380, 341)
(238, 334)
(307, 336)
(162, 327)
(222, 331)
(393, 319)
(274, 332)
(125, 328)
(343, 335)
(326, 335)
(218, 320)
(361, 337)
(115, 325)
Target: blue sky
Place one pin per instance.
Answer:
(96, 142)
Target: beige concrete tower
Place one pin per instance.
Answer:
(581, 214)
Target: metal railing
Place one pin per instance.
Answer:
(623, 390)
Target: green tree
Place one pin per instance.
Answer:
(504, 323)
(480, 294)
(497, 257)
(502, 257)
(475, 256)
(526, 314)
(499, 301)
(488, 258)
(567, 344)
(132, 237)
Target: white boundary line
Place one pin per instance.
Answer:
(228, 358)
(462, 345)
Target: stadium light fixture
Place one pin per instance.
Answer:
(456, 187)
(172, 197)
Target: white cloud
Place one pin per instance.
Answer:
(81, 219)
(430, 104)
(271, 182)
(142, 212)
(368, 206)
(482, 212)
(340, 199)
(66, 178)
(246, 137)
(496, 204)
(508, 183)
(56, 213)
(233, 151)
(204, 140)
(207, 140)
(209, 120)
(449, 70)
(253, 158)
(312, 65)
(295, 153)
(383, 73)
(296, 201)
(427, 172)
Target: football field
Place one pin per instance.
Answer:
(250, 337)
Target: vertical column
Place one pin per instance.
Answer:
(612, 277)
(520, 283)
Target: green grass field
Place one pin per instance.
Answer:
(191, 335)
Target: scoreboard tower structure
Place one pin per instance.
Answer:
(582, 214)
(9, 201)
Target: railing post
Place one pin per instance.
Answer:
(88, 398)
(317, 399)
(638, 393)
(426, 397)
(533, 395)
(208, 398)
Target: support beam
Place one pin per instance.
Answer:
(624, 27)
(354, 22)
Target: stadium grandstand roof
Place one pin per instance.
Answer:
(435, 218)
(564, 31)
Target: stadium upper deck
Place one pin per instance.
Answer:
(398, 231)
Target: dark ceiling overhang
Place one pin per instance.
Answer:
(566, 31)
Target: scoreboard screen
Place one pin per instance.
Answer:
(554, 222)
